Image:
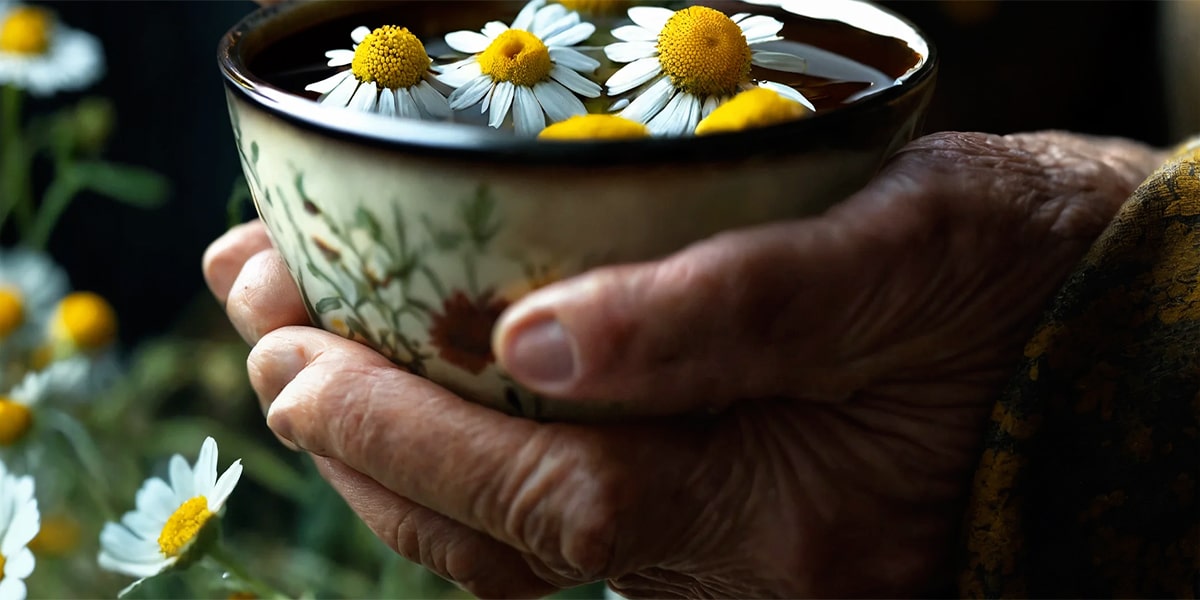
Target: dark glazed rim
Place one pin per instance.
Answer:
(452, 140)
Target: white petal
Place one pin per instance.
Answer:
(471, 93)
(525, 18)
(406, 106)
(502, 98)
(635, 33)
(142, 525)
(789, 92)
(573, 59)
(469, 42)
(123, 544)
(650, 17)
(387, 103)
(710, 104)
(575, 82)
(365, 100)
(135, 569)
(206, 466)
(224, 487)
(339, 58)
(628, 52)
(779, 61)
(19, 565)
(650, 102)
(557, 102)
(737, 18)
(633, 74)
(431, 101)
(576, 34)
(22, 529)
(462, 75)
(326, 85)
(340, 96)
(359, 34)
(156, 500)
(678, 118)
(760, 28)
(12, 588)
(494, 28)
(619, 105)
(182, 481)
(546, 19)
(528, 118)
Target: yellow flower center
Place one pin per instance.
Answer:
(26, 30)
(758, 107)
(704, 52)
(595, 127)
(516, 56)
(58, 536)
(87, 320)
(183, 526)
(15, 421)
(12, 311)
(596, 7)
(392, 57)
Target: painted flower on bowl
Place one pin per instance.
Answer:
(462, 331)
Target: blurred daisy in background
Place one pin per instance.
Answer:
(170, 518)
(65, 380)
(695, 59)
(31, 284)
(529, 68)
(19, 524)
(42, 56)
(389, 74)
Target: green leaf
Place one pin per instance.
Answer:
(367, 221)
(129, 184)
(254, 153)
(325, 305)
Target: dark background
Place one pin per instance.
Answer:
(1005, 67)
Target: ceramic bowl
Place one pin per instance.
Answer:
(414, 236)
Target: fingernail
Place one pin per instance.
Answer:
(542, 353)
(281, 425)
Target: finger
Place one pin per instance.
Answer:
(223, 259)
(558, 492)
(264, 297)
(479, 564)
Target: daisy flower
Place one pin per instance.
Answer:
(30, 286)
(169, 518)
(697, 58)
(529, 67)
(594, 127)
(389, 74)
(42, 56)
(65, 379)
(19, 524)
(83, 322)
(758, 107)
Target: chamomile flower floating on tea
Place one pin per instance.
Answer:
(596, 7)
(529, 68)
(170, 518)
(19, 524)
(40, 55)
(697, 58)
(758, 107)
(389, 74)
(594, 127)
(30, 285)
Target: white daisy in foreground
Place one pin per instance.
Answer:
(31, 284)
(66, 379)
(42, 56)
(698, 59)
(389, 74)
(529, 68)
(19, 524)
(170, 518)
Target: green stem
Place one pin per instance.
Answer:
(232, 566)
(13, 159)
(85, 450)
(54, 203)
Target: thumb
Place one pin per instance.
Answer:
(746, 314)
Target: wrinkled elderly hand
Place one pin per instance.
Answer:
(846, 363)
